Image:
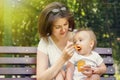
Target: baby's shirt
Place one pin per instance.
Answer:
(93, 60)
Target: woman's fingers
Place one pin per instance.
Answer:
(87, 70)
(68, 50)
(67, 54)
(69, 44)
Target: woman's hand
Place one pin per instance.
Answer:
(96, 70)
(68, 51)
(87, 70)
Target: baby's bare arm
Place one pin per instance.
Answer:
(60, 75)
(69, 71)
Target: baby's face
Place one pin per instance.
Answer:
(83, 40)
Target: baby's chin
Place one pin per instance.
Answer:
(80, 53)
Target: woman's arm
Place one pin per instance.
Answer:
(45, 73)
(100, 69)
(94, 70)
(69, 71)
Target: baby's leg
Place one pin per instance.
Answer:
(93, 77)
(61, 75)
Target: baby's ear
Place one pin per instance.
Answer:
(92, 43)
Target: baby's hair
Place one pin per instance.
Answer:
(92, 35)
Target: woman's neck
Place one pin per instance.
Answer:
(60, 43)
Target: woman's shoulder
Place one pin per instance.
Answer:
(42, 45)
(44, 40)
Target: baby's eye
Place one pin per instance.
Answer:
(80, 40)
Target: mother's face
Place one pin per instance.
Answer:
(60, 28)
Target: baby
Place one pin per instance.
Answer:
(85, 64)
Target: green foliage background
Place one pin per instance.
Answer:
(19, 18)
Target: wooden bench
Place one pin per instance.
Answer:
(19, 63)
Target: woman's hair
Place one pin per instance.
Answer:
(91, 33)
(49, 14)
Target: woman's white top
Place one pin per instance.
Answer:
(50, 49)
(93, 60)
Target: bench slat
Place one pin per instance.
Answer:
(17, 79)
(104, 51)
(102, 78)
(11, 49)
(18, 60)
(24, 70)
(32, 60)
(27, 70)
(108, 60)
(107, 78)
(110, 70)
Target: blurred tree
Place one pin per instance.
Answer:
(101, 15)
(1, 20)
(7, 34)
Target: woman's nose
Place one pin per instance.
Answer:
(63, 28)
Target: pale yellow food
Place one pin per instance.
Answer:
(80, 65)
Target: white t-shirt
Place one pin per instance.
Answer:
(93, 60)
(50, 49)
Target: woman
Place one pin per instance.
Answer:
(54, 50)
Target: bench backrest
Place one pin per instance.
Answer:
(19, 63)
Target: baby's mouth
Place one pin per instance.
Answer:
(78, 48)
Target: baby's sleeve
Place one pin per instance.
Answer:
(99, 59)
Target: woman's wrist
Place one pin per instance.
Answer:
(97, 71)
(65, 57)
